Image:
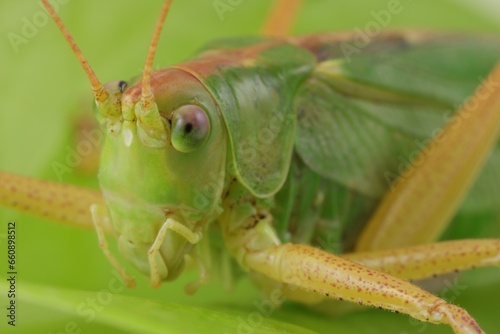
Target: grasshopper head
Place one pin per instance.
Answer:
(151, 173)
(162, 161)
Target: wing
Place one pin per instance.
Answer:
(366, 111)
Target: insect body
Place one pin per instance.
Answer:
(273, 163)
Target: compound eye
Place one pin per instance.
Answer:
(190, 128)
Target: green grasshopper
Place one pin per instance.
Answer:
(253, 190)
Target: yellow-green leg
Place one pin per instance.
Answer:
(321, 273)
(324, 275)
(312, 269)
(419, 262)
(154, 250)
(99, 217)
(424, 199)
(59, 202)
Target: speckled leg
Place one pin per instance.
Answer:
(419, 262)
(257, 249)
(315, 270)
(59, 202)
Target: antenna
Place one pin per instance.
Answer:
(100, 93)
(281, 17)
(147, 95)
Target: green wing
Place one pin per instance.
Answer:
(362, 118)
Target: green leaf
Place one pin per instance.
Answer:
(108, 311)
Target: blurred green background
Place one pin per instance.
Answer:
(41, 95)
